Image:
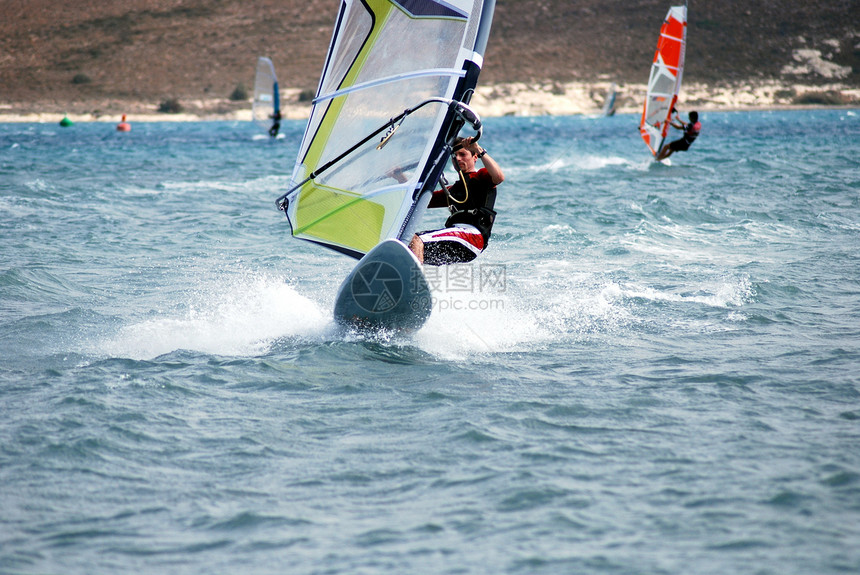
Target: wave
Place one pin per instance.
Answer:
(241, 317)
(589, 162)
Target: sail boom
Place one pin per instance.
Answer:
(462, 109)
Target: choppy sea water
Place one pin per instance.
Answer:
(652, 369)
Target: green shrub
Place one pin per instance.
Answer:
(240, 94)
(711, 25)
(81, 79)
(827, 98)
(170, 106)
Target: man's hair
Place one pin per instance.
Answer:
(694, 116)
(467, 143)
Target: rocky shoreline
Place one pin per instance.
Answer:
(515, 99)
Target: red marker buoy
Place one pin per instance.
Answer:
(123, 126)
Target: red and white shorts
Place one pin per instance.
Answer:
(457, 244)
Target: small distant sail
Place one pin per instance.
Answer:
(665, 81)
(393, 95)
(609, 104)
(267, 99)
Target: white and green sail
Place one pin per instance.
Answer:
(388, 104)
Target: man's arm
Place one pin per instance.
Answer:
(678, 123)
(492, 167)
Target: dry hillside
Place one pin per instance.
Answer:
(147, 50)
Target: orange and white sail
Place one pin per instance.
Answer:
(665, 81)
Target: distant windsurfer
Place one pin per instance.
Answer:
(276, 124)
(470, 200)
(691, 132)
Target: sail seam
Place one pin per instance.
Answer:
(390, 80)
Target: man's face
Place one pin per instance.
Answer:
(465, 160)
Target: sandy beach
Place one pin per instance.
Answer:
(514, 99)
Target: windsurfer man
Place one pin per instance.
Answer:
(691, 132)
(276, 124)
(470, 200)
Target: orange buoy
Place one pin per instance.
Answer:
(123, 126)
